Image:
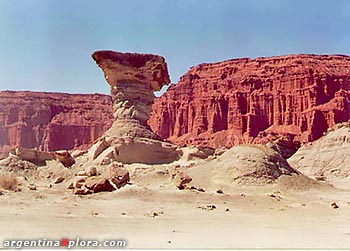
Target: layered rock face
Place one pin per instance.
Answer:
(247, 100)
(52, 121)
(132, 78)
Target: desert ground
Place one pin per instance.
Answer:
(150, 212)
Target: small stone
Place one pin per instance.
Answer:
(70, 186)
(227, 210)
(32, 187)
(82, 191)
(219, 191)
(91, 171)
(201, 190)
(81, 173)
(59, 180)
(334, 205)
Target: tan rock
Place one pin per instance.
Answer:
(32, 187)
(181, 180)
(83, 191)
(120, 177)
(78, 153)
(326, 158)
(81, 173)
(91, 171)
(32, 155)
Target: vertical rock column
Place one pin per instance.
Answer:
(132, 78)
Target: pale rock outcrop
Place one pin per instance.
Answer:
(326, 158)
(132, 78)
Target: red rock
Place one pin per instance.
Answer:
(120, 177)
(99, 184)
(52, 121)
(247, 100)
(65, 158)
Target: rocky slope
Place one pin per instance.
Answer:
(244, 100)
(52, 121)
(326, 158)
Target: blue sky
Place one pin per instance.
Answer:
(46, 45)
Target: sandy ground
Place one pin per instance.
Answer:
(168, 218)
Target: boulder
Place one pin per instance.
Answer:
(99, 184)
(65, 158)
(120, 177)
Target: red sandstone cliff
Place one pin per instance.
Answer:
(243, 100)
(52, 121)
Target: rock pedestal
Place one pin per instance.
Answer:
(133, 78)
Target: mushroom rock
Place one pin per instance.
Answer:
(133, 78)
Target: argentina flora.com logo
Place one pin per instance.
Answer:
(63, 243)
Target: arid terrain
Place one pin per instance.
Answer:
(246, 153)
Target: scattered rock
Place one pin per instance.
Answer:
(219, 191)
(70, 186)
(181, 180)
(65, 158)
(201, 190)
(208, 207)
(91, 171)
(81, 173)
(83, 191)
(334, 205)
(59, 180)
(276, 196)
(32, 187)
(120, 177)
(99, 184)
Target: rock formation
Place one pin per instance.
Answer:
(247, 100)
(240, 165)
(52, 121)
(133, 78)
(326, 158)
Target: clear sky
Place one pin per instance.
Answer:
(46, 45)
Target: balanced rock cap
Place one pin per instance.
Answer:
(133, 67)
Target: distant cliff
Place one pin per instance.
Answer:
(52, 121)
(219, 104)
(245, 100)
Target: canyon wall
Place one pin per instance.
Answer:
(52, 121)
(218, 104)
(248, 100)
